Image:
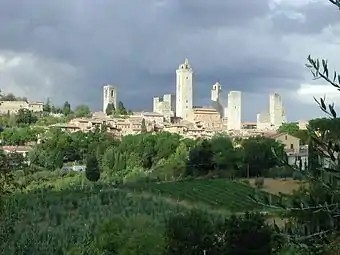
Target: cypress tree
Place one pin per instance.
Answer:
(92, 168)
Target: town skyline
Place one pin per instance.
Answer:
(254, 53)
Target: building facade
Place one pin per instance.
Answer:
(207, 118)
(184, 90)
(234, 110)
(165, 105)
(13, 107)
(276, 110)
(109, 96)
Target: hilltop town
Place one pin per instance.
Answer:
(171, 113)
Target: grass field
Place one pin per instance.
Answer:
(276, 186)
(218, 193)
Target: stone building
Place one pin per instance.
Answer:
(234, 110)
(184, 90)
(109, 96)
(13, 107)
(206, 117)
(165, 105)
(216, 99)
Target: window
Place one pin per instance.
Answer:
(286, 138)
(187, 78)
(186, 101)
(292, 146)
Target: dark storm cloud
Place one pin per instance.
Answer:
(311, 18)
(138, 46)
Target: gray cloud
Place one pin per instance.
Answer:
(77, 46)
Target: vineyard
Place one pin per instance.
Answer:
(219, 193)
(51, 222)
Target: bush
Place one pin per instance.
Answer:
(259, 182)
(297, 176)
(246, 182)
(135, 175)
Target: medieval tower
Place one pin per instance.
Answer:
(109, 96)
(216, 91)
(184, 93)
(215, 98)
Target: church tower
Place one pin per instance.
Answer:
(109, 96)
(184, 92)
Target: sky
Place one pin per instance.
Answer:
(67, 50)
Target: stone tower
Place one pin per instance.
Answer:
(109, 96)
(184, 92)
(215, 98)
(216, 91)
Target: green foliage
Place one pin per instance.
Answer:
(314, 210)
(92, 168)
(259, 182)
(74, 219)
(200, 160)
(258, 154)
(143, 126)
(129, 236)
(217, 193)
(191, 233)
(196, 233)
(26, 117)
(82, 111)
(121, 110)
(66, 108)
(20, 136)
(289, 128)
(11, 97)
(110, 109)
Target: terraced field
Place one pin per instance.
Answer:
(219, 193)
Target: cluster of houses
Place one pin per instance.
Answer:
(204, 123)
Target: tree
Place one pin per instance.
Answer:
(195, 232)
(47, 106)
(82, 111)
(110, 109)
(66, 108)
(225, 157)
(314, 212)
(259, 156)
(143, 126)
(121, 110)
(289, 128)
(191, 233)
(200, 160)
(26, 117)
(9, 97)
(92, 168)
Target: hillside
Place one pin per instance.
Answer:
(61, 218)
(232, 196)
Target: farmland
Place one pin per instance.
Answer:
(217, 193)
(60, 220)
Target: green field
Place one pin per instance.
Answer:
(51, 222)
(218, 193)
(48, 221)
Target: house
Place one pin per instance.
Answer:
(23, 150)
(291, 143)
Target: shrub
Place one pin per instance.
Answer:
(259, 182)
(135, 175)
(298, 176)
(246, 182)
